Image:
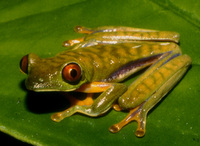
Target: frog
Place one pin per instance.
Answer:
(100, 61)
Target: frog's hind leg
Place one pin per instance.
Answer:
(69, 43)
(120, 34)
(82, 29)
(152, 88)
(85, 30)
(81, 42)
(94, 35)
(79, 29)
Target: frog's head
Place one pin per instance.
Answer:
(52, 74)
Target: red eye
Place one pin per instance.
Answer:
(24, 64)
(71, 72)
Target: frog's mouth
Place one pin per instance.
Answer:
(47, 87)
(51, 90)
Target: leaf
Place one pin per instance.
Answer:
(41, 27)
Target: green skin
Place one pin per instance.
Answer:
(107, 59)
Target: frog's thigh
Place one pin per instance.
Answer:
(171, 72)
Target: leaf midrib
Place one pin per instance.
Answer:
(187, 16)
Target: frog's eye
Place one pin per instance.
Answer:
(71, 72)
(24, 64)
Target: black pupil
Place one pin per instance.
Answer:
(73, 73)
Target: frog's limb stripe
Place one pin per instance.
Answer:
(132, 67)
(102, 104)
(169, 74)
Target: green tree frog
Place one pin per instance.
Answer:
(100, 61)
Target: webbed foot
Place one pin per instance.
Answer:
(135, 114)
(57, 117)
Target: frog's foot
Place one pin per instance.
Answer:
(78, 29)
(116, 107)
(70, 43)
(81, 29)
(136, 114)
(57, 117)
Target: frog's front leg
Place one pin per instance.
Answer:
(149, 89)
(73, 102)
(110, 93)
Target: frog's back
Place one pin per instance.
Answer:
(103, 60)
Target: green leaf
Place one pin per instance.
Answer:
(41, 27)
